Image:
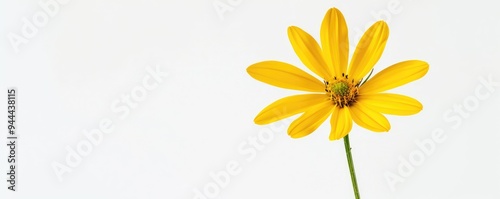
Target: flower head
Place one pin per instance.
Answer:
(344, 93)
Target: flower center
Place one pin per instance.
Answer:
(340, 88)
(341, 91)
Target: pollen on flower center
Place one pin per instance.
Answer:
(342, 91)
(340, 88)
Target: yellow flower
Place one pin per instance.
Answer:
(343, 94)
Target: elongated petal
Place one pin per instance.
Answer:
(335, 41)
(288, 106)
(309, 52)
(389, 103)
(396, 75)
(341, 122)
(368, 118)
(310, 120)
(368, 50)
(284, 75)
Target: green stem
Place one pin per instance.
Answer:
(351, 166)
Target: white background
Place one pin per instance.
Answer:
(91, 53)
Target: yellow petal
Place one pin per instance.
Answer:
(341, 122)
(368, 50)
(335, 41)
(389, 103)
(288, 106)
(309, 52)
(310, 120)
(395, 75)
(284, 75)
(368, 118)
